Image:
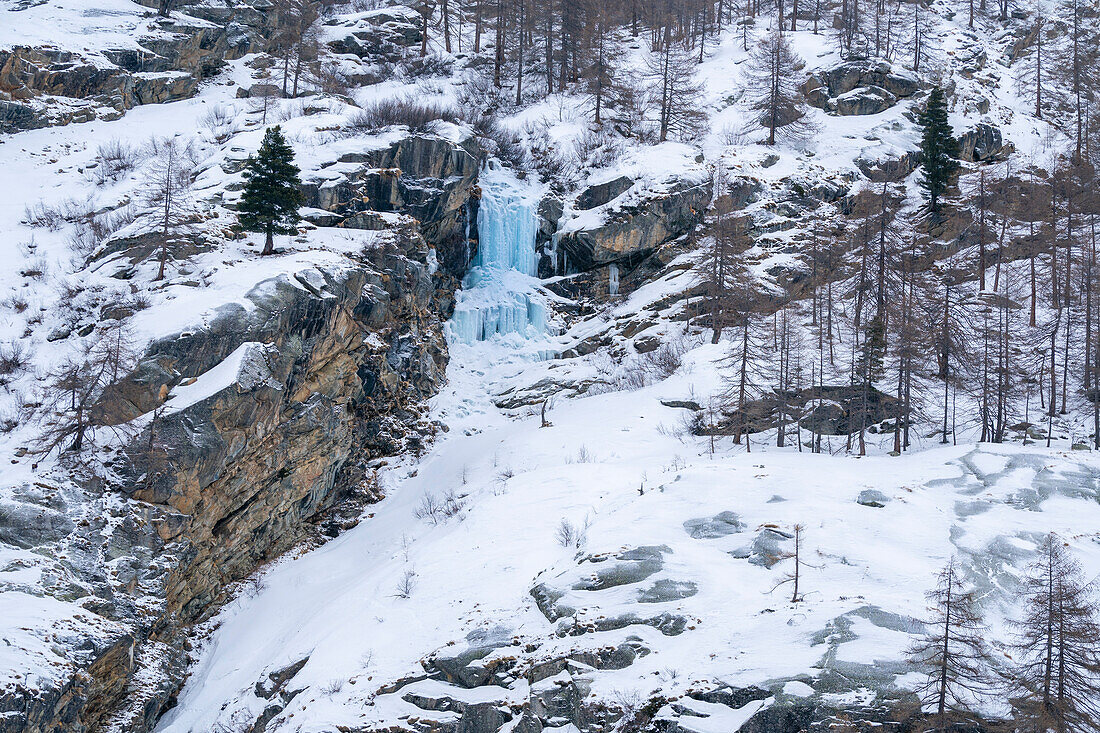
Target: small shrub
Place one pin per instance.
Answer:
(35, 269)
(429, 508)
(93, 230)
(503, 144)
(665, 360)
(114, 160)
(411, 113)
(434, 64)
(569, 535)
(220, 122)
(330, 78)
(598, 148)
(406, 585)
(452, 504)
(42, 215)
(8, 422)
(332, 687)
(16, 303)
(13, 361)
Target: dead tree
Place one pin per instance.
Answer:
(1057, 685)
(952, 650)
(795, 575)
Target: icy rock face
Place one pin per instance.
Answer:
(498, 295)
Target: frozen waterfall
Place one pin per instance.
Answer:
(499, 294)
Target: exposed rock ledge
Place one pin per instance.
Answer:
(623, 221)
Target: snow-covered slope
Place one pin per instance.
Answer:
(557, 546)
(699, 600)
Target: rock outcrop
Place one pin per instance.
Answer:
(42, 86)
(859, 88)
(381, 35)
(980, 143)
(624, 225)
(253, 427)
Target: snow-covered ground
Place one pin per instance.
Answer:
(620, 465)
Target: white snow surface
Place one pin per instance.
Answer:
(614, 461)
(619, 461)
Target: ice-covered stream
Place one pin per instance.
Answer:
(499, 295)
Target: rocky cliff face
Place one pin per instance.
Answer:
(42, 85)
(428, 177)
(253, 427)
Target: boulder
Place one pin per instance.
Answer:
(849, 75)
(872, 498)
(463, 665)
(667, 589)
(381, 35)
(980, 143)
(889, 169)
(766, 549)
(720, 525)
(864, 101)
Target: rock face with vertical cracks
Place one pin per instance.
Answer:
(251, 463)
(253, 427)
(424, 176)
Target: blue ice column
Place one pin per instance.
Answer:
(498, 295)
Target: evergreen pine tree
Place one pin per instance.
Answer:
(271, 195)
(938, 146)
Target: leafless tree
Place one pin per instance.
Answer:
(674, 89)
(798, 555)
(68, 411)
(773, 84)
(952, 650)
(1057, 686)
(168, 189)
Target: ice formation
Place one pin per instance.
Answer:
(499, 294)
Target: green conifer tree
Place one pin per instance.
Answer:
(938, 146)
(271, 195)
